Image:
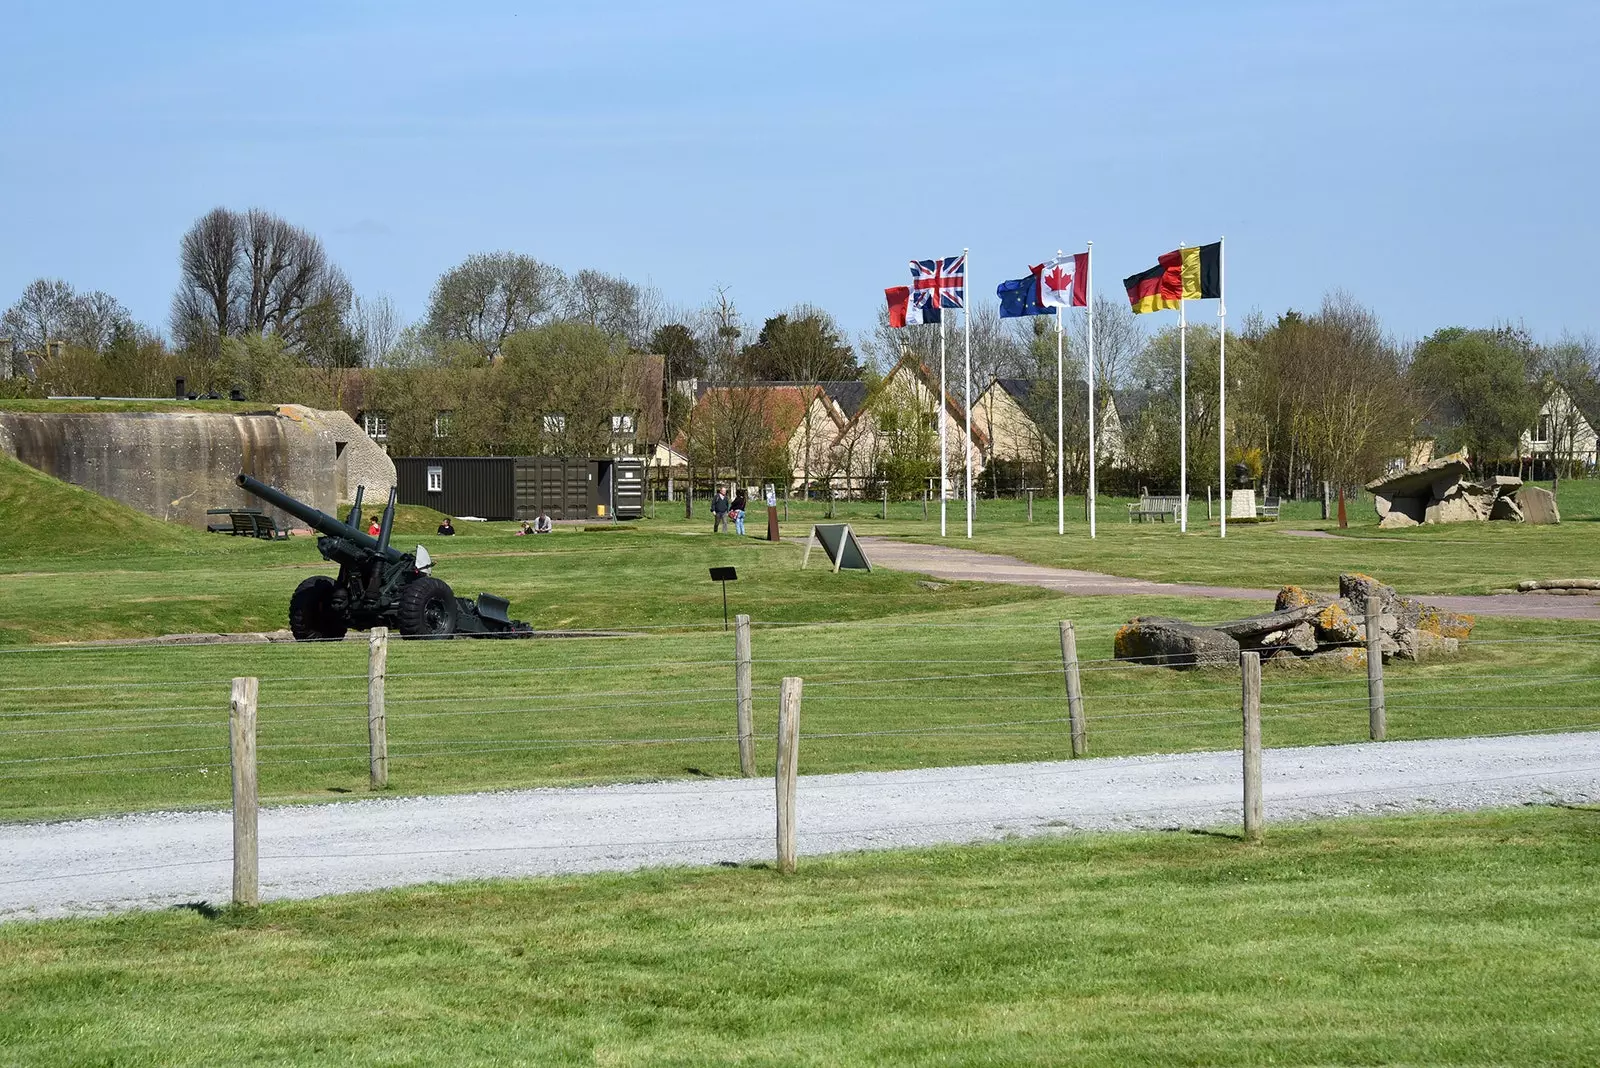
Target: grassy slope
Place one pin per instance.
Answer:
(1439, 940)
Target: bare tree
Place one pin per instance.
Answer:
(41, 314)
(377, 322)
(492, 295)
(605, 301)
(253, 272)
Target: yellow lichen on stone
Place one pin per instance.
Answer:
(1293, 597)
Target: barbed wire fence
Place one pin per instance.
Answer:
(913, 712)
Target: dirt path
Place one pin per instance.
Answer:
(160, 860)
(949, 562)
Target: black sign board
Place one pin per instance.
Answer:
(839, 542)
(724, 575)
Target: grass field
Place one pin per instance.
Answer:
(1460, 940)
(86, 730)
(906, 673)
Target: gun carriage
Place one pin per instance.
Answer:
(378, 585)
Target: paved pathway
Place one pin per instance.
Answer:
(165, 859)
(955, 564)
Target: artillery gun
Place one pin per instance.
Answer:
(378, 585)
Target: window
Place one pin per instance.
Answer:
(441, 425)
(622, 423)
(435, 480)
(555, 423)
(1543, 433)
(376, 424)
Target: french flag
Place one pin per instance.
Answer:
(903, 311)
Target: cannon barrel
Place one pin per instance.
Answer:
(321, 522)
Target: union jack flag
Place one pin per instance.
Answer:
(940, 283)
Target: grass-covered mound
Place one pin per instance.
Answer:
(42, 517)
(1464, 939)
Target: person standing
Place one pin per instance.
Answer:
(736, 510)
(719, 510)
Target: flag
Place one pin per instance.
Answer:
(1185, 274)
(904, 312)
(1202, 272)
(940, 283)
(1064, 281)
(1020, 296)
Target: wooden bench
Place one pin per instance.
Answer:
(1162, 508)
(246, 523)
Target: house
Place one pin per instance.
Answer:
(1018, 416)
(1564, 432)
(758, 428)
(896, 430)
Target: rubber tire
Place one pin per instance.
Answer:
(310, 617)
(427, 609)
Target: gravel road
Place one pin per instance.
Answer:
(163, 859)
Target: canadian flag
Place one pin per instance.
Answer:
(1064, 281)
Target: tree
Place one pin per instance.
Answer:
(1478, 385)
(800, 346)
(252, 272)
(490, 296)
(49, 311)
(377, 322)
(1569, 385)
(604, 301)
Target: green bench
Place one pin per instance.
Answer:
(247, 523)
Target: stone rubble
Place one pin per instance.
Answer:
(1303, 627)
(1440, 491)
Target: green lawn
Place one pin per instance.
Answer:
(96, 729)
(1457, 558)
(1462, 940)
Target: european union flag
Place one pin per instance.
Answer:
(1020, 297)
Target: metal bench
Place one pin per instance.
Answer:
(1269, 507)
(247, 523)
(1162, 508)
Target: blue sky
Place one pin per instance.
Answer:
(1436, 159)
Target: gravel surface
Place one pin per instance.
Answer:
(163, 859)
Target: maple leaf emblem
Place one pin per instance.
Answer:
(1057, 279)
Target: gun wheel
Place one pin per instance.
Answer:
(311, 614)
(427, 609)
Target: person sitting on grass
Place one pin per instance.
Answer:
(527, 528)
(445, 528)
(542, 524)
(373, 528)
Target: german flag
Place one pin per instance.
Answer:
(1185, 274)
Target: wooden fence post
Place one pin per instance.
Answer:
(1377, 715)
(1250, 670)
(1069, 666)
(741, 678)
(788, 769)
(377, 721)
(242, 739)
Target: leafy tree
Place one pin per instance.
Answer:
(677, 344)
(490, 296)
(802, 347)
(604, 301)
(1478, 385)
(1569, 385)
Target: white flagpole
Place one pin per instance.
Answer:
(1222, 386)
(944, 463)
(1183, 410)
(966, 321)
(1061, 470)
(1089, 289)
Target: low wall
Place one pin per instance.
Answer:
(176, 465)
